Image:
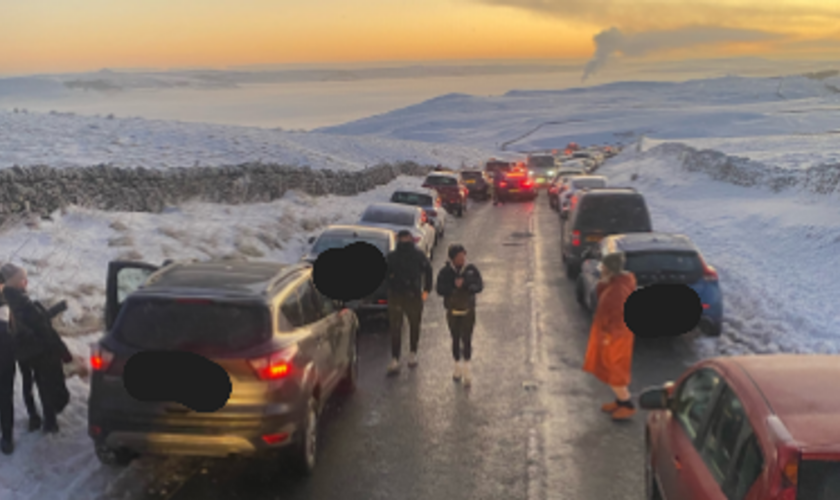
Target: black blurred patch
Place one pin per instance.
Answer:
(182, 377)
(662, 311)
(349, 273)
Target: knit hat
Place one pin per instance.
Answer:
(9, 271)
(404, 233)
(614, 262)
(455, 249)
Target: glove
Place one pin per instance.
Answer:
(425, 296)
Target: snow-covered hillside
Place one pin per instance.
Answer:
(68, 140)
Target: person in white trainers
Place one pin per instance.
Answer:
(457, 283)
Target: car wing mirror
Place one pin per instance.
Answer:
(311, 240)
(657, 398)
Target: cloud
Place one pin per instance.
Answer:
(612, 42)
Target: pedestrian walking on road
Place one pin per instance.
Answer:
(37, 345)
(457, 283)
(498, 178)
(609, 355)
(409, 283)
(7, 378)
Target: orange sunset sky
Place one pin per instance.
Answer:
(62, 35)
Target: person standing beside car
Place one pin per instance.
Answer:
(609, 355)
(498, 178)
(7, 378)
(409, 283)
(457, 283)
(37, 345)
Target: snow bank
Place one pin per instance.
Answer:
(776, 251)
(64, 140)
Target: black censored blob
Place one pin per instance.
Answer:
(662, 311)
(182, 377)
(349, 273)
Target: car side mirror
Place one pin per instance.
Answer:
(655, 399)
(311, 240)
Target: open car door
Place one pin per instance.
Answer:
(123, 279)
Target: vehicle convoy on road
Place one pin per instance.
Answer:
(285, 348)
(571, 187)
(479, 184)
(597, 214)
(340, 236)
(746, 427)
(556, 187)
(431, 203)
(542, 169)
(396, 217)
(657, 258)
(453, 192)
(517, 185)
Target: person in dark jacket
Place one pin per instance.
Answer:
(7, 378)
(37, 345)
(458, 282)
(409, 283)
(498, 178)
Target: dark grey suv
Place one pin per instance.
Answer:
(285, 347)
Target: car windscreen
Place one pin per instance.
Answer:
(417, 199)
(819, 480)
(380, 216)
(440, 180)
(613, 214)
(588, 183)
(328, 242)
(197, 325)
(666, 261)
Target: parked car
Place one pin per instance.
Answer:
(600, 213)
(657, 258)
(478, 183)
(556, 187)
(493, 165)
(573, 185)
(452, 191)
(431, 203)
(746, 428)
(285, 347)
(517, 185)
(341, 236)
(542, 169)
(396, 217)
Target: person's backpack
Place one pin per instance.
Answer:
(403, 272)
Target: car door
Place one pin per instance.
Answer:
(322, 332)
(124, 277)
(676, 454)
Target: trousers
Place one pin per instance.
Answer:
(404, 305)
(461, 329)
(28, 375)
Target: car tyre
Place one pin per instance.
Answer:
(651, 488)
(579, 293)
(459, 212)
(351, 377)
(114, 457)
(710, 329)
(572, 270)
(305, 452)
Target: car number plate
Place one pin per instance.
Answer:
(470, 182)
(513, 190)
(594, 238)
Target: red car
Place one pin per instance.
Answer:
(452, 190)
(746, 428)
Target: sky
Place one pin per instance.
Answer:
(82, 35)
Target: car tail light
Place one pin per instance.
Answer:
(275, 438)
(503, 184)
(527, 184)
(275, 366)
(788, 455)
(709, 272)
(706, 306)
(382, 301)
(576, 238)
(100, 358)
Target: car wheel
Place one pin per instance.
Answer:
(651, 488)
(114, 457)
(459, 211)
(572, 270)
(579, 294)
(304, 454)
(710, 329)
(351, 376)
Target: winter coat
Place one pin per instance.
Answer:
(7, 351)
(609, 355)
(459, 299)
(409, 272)
(32, 329)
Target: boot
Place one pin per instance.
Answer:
(394, 367)
(34, 423)
(624, 411)
(456, 375)
(50, 428)
(467, 377)
(609, 407)
(7, 446)
(412, 360)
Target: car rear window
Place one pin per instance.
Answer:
(674, 262)
(192, 325)
(542, 162)
(819, 480)
(589, 183)
(440, 180)
(497, 165)
(329, 242)
(417, 199)
(471, 175)
(614, 214)
(397, 218)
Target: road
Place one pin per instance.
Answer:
(529, 428)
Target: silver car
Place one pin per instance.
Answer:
(397, 217)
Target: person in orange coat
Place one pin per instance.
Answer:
(609, 355)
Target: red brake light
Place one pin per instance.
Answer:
(503, 184)
(275, 366)
(416, 239)
(382, 301)
(100, 358)
(275, 438)
(709, 272)
(575, 238)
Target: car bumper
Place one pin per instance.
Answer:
(522, 194)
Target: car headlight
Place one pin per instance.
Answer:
(551, 172)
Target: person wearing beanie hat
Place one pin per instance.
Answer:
(457, 283)
(609, 355)
(7, 377)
